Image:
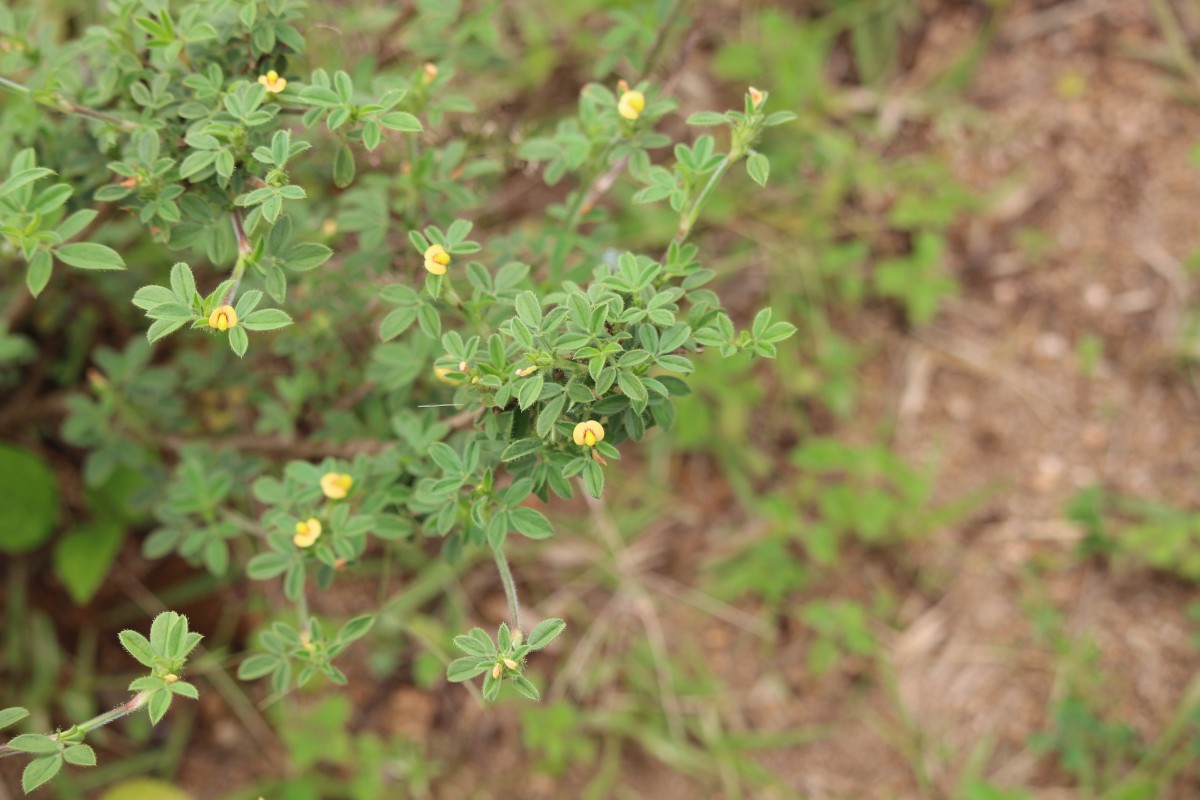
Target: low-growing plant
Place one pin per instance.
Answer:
(270, 218)
(164, 653)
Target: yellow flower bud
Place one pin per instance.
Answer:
(588, 433)
(631, 104)
(496, 672)
(756, 97)
(436, 259)
(336, 485)
(527, 371)
(222, 318)
(443, 373)
(431, 71)
(170, 678)
(307, 532)
(273, 82)
(508, 662)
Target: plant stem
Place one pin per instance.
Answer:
(510, 587)
(687, 220)
(61, 104)
(131, 705)
(239, 269)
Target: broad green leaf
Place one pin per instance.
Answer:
(37, 275)
(80, 755)
(34, 743)
(83, 556)
(40, 770)
(266, 319)
(12, 715)
(531, 523)
(355, 628)
(138, 647)
(31, 500)
(464, 669)
(520, 449)
(545, 632)
(759, 168)
(89, 255)
(160, 703)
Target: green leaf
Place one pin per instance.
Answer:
(522, 685)
(88, 255)
(35, 743)
(473, 647)
(163, 327)
(31, 500)
(593, 479)
(397, 322)
(183, 283)
(84, 555)
(520, 449)
(401, 121)
(80, 755)
(759, 168)
(12, 715)
(355, 628)
(343, 166)
(138, 647)
(267, 565)
(545, 632)
(464, 669)
(266, 319)
(529, 309)
(238, 341)
(72, 225)
(160, 703)
(447, 458)
(38, 273)
(40, 770)
(707, 118)
(531, 523)
(632, 386)
(530, 390)
(549, 414)
(52, 198)
(184, 689)
(779, 118)
(306, 256)
(256, 666)
(23, 178)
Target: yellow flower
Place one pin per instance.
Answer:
(273, 82)
(527, 371)
(631, 104)
(756, 97)
(496, 671)
(508, 662)
(588, 433)
(170, 678)
(307, 532)
(436, 259)
(336, 485)
(222, 318)
(431, 71)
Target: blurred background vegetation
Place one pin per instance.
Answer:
(945, 546)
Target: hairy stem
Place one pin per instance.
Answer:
(239, 269)
(688, 218)
(510, 587)
(61, 104)
(131, 705)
